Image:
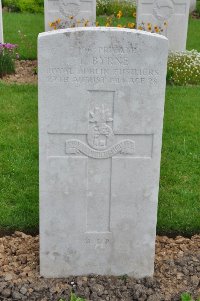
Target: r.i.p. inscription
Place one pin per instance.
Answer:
(101, 102)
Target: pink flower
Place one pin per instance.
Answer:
(7, 46)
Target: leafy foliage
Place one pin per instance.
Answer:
(108, 8)
(73, 297)
(31, 6)
(187, 297)
(7, 58)
(184, 68)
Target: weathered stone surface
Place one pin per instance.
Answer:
(174, 12)
(101, 104)
(64, 9)
(1, 24)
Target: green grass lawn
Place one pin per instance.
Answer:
(179, 200)
(31, 24)
(18, 158)
(193, 40)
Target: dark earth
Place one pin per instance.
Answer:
(177, 270)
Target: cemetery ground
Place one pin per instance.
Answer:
(177, 259)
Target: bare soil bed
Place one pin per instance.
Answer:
(25, 73)
(177, 270)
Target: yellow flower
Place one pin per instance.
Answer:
(119, 25)
(165, 23)
(149, 27)
(107, 24)
(119, 15)
(53, 24)
(58, 21)
(86, 23)
(156, 28)
(131, 25)
(97, 23)
(134, 15)
(140, 28)
(71, 17)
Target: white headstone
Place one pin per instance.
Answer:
(63, 9)
(175, 12)
(1, 24)
(193, 4)
(101, 106)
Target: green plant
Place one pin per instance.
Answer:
(187, 297)
(73, 297)
(35, 70)
(170, 74)
(123, 277)
(32, 6)
(112, 7)
(184, 68)
(11, 5)
(7, 59)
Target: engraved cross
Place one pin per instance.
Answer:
(101, 145)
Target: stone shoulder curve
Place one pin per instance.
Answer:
(101, 29)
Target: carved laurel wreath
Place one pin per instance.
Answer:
(68, 8)
(157, 10)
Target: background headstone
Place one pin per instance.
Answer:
(1, 24)
(63, 9)
(193, 4)
(101, 106)
(175, 12)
